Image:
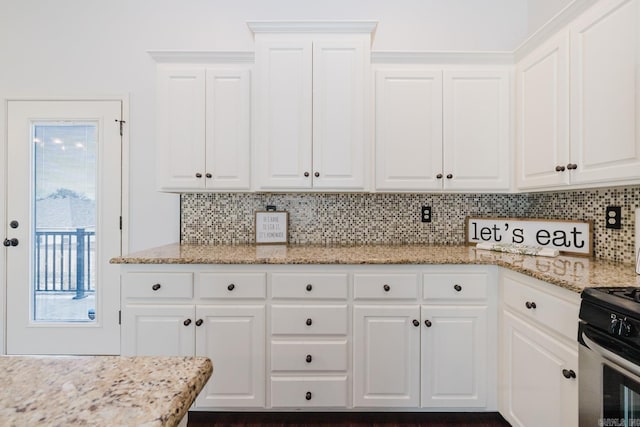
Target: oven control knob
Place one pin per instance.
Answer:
(614, 327)
(626, 329)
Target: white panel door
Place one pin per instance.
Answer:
(538, 393)
(408, 148)
(476, 130)
(158, 330)
(386, 351)
(234, 338)
(283, 113)
(180, 124)
(605, 100)
(228, 129)
(63, 203)
(454, 356)
(543, 115)
(339, 82)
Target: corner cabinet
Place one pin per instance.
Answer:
(442, 129)
(203, 127)
(311, 106)
(577, 102)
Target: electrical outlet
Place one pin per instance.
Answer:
(614, 217)
(425, 214)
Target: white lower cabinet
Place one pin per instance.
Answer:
(539, 353)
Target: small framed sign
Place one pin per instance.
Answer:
(272, 227)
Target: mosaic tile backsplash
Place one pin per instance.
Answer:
(359, 218)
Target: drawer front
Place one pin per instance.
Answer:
(385, 286)
(157, 285)
(309, 319)
(309, 286)
(309, 356)
(232, 285)
(551, 311)
(457, 287)
(302, 392)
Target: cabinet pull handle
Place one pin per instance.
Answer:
(198, 175)
(568, 373)
(317, 174)
(208, 175)
(309, 287)
(415, 323)
(439, 176)
(231, 287)
(559, 168)
(386, 287)
(427, 323)
(572, 166)
(308, 395)
(306, 174)
(309, 322)
(530, 305)
(309, 358)
(449, 176)
(199, 322)
(156, 286)
(458, 288)
(187, 322)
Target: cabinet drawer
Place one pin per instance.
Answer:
(157, 285)
(554, 312)
(309, 286)
(300, 392)
(309, 356)
(385, 286)
(232, 285)
(458, 287)
(309, 319)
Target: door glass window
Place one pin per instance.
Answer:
(64, 211)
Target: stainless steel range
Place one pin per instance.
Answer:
(609, 357)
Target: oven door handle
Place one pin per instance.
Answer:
(611, 356)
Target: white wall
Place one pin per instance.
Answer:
(93, 47)
(541, 11)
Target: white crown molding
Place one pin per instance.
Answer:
(558, 22)
(436, 57)
(201, 57)
(365, 27)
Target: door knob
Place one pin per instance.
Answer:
(14, 224)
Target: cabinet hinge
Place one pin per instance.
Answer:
(121, 122)
(119, 317)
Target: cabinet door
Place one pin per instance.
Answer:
(386, 350)
(543, 115)
(454, 356)
(233, 336)
(537, 394)
(283, 114)
(408, 146)
(181, 128)
(476, 130)
(605, 142)
(339, 104)
(158, 330)
(228, 129)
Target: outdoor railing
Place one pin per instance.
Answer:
(64, 261)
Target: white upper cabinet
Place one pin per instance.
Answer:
(578, 102)
(543, 115)
(605, 55)
(311, 110)
(204, 128)
(442, 129)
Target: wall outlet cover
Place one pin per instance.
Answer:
(613, 217)
(425, 214)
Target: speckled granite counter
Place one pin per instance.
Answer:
(573, 273)
(99, 390)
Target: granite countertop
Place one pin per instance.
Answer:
(573, 273)
(99, 390)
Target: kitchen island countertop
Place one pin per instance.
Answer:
(99, 390)
(573, 273)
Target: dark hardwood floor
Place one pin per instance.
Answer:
(350, 419)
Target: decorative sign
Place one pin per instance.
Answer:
(569, 237)
(271, 227)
